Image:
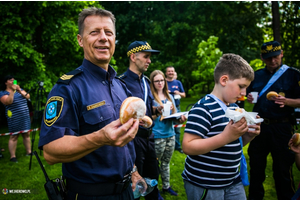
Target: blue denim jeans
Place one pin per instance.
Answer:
(232, 192)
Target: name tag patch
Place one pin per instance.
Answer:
(53, 110)
(95, 105)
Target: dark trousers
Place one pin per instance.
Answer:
(273, 139)
(146, 162)
(177, 134)
(126, 195)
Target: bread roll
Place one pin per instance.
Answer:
(239, 110)
(296, 139)
(271, 94)
(147, 121)
(134, 107)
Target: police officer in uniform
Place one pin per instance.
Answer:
(81, 126)
(277, 128)
(139, 53)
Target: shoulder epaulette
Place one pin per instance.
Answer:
(66, 78)
(122, 76)
(296, 69)
(119, 78)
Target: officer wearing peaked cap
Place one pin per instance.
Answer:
(139, 53)
(277, 128)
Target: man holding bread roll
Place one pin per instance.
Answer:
(278, 96)
(81, 127)
(139, 53)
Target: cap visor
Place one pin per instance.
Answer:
(268, 55)
(152, 51)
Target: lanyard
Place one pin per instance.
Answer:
(274, 78)
(146, 91)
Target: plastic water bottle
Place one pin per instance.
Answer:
(141, 190)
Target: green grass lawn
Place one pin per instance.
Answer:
(17, 176)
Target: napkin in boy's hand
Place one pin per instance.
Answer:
(237, 114)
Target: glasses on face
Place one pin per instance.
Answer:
(159, 81)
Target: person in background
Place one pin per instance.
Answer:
(211, 141)
(177, 91)
(277, 127)
(164, 135)
(14, 99)
(175, 76)
(81, 127)
(139, 53)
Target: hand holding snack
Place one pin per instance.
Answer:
(134, 107)
(272, 95)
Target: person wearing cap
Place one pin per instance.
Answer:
(277, 128)
(81, 127)
(139, 53)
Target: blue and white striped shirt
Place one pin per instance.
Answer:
(17, 113)
(218, 168)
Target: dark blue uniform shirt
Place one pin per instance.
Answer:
(287, 83)
(90, 101)
(135, 84)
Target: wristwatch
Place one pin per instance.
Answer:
(134, 169)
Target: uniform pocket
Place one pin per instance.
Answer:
(98, 115)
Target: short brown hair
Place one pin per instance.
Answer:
(234, 66)
(93, 11)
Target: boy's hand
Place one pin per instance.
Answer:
(235, 130)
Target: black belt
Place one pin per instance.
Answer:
(144, 133)
(98, 189)
(272, 121)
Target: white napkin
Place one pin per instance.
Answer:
(236, 116)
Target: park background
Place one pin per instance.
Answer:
(39, 45)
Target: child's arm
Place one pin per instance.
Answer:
(196, 145)
(295, 149)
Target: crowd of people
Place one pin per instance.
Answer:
(105, 159)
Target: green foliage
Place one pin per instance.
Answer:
(208, 57)
(257, 64)
(290, 20)
(39, 40)
(177, 27)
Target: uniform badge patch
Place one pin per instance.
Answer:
(53, 110)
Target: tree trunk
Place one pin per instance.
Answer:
(276, 21)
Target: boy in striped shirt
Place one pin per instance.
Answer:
(211, 141)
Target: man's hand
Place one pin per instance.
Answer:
(250, 98)
(116, 134)
(280, 100)
(294, 148)
(134, 179)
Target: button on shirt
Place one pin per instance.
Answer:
(89, 102)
